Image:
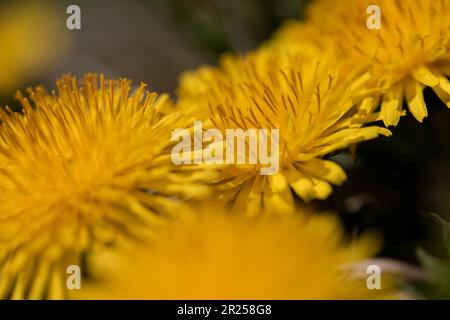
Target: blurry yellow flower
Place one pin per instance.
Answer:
(218, 255)
(80, 169)
(31, 39)
(411, 51)
(300, 36)
(308, 100)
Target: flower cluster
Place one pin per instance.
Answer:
(86, 176)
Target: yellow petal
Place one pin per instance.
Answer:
(346, 137)
(443, 90)
(365, 113)
(56, 289)
(414, 97)
(304, 188)
(368, 105)
(278, 182)
(325, 170)
(279, 202)
(386, 82)
(309, 189)
(426, 77)
(40, 280)
(248, 200)
(19, 288)
(322, 189)
(391, 107)
(6, 280)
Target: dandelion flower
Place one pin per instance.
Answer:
(31, 39)
(410, 52)
(81, 169)
(218, 255)
(296, 35)
(306, 99)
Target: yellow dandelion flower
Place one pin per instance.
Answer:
(194, 85)
(81, 169)
(296, 35)
(31, 38)
(306, 99)
(411, 51)
(218, 255)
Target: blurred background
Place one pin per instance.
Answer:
(146, 40)
(399, 186)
